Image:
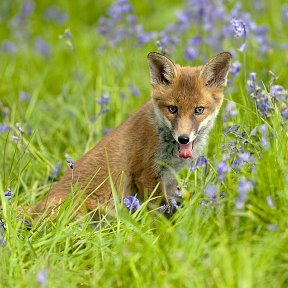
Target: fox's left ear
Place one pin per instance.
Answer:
(214, 73)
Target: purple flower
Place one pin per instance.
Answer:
(223, 168)
(27, 8)
(177, 194)
(104, 98)
(8, 194)
(270, 201)
(9, 47)
(24, 96)
(20, 128)
(278, 92)
(70, 163)
(121, 25)
(42, 47)
(200, 162)
(285, 12)
(244, 187)
(4, 128)
(131, 203)
(284, 114)
(191, 53)
(263, 129)
(16, 138)
(134, 89)
(239, 28)
(235, 68)
(54, 13)
(42, 277)
(230, 110)
(54, 173)
(194, 41)
(211, 192)
(173, 203)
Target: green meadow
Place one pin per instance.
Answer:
(73, 70)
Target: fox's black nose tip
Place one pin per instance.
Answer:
(183, 139)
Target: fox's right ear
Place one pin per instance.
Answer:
(162, 69)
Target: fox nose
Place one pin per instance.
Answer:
(183, 139)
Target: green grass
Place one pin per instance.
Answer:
(212, 245)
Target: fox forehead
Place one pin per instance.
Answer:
(188, 90)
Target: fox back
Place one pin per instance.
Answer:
(170, 128)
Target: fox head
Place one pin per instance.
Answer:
(187, 99)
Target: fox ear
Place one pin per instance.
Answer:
(162, 69)
(214, 73)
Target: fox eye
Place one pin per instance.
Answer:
(199, 110)
(172, 109)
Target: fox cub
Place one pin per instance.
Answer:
(170, 128)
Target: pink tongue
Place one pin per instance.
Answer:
(185, 150)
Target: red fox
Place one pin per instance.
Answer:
(170, 128)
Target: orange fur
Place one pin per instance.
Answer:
(138, 144)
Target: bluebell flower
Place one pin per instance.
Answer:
(27, 8)
(284, 114)
(9, 47)
(196, 40)
(131, 203)
(239, 28)
(70, 163)
(285, 12)
(229, 111)
(200, 162)
(54, 13)
(42, 47)
(42, 277)
(4, 128)
(24, 96)
(235, 68)
(211, 192)
(270, 201)
(191, 53)
(244, 187)
(278, 92)
(16, 138)
(8, 194)
(134, 89)
(20, 128)
(264, 140)
(54, 173)
(104, 99)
